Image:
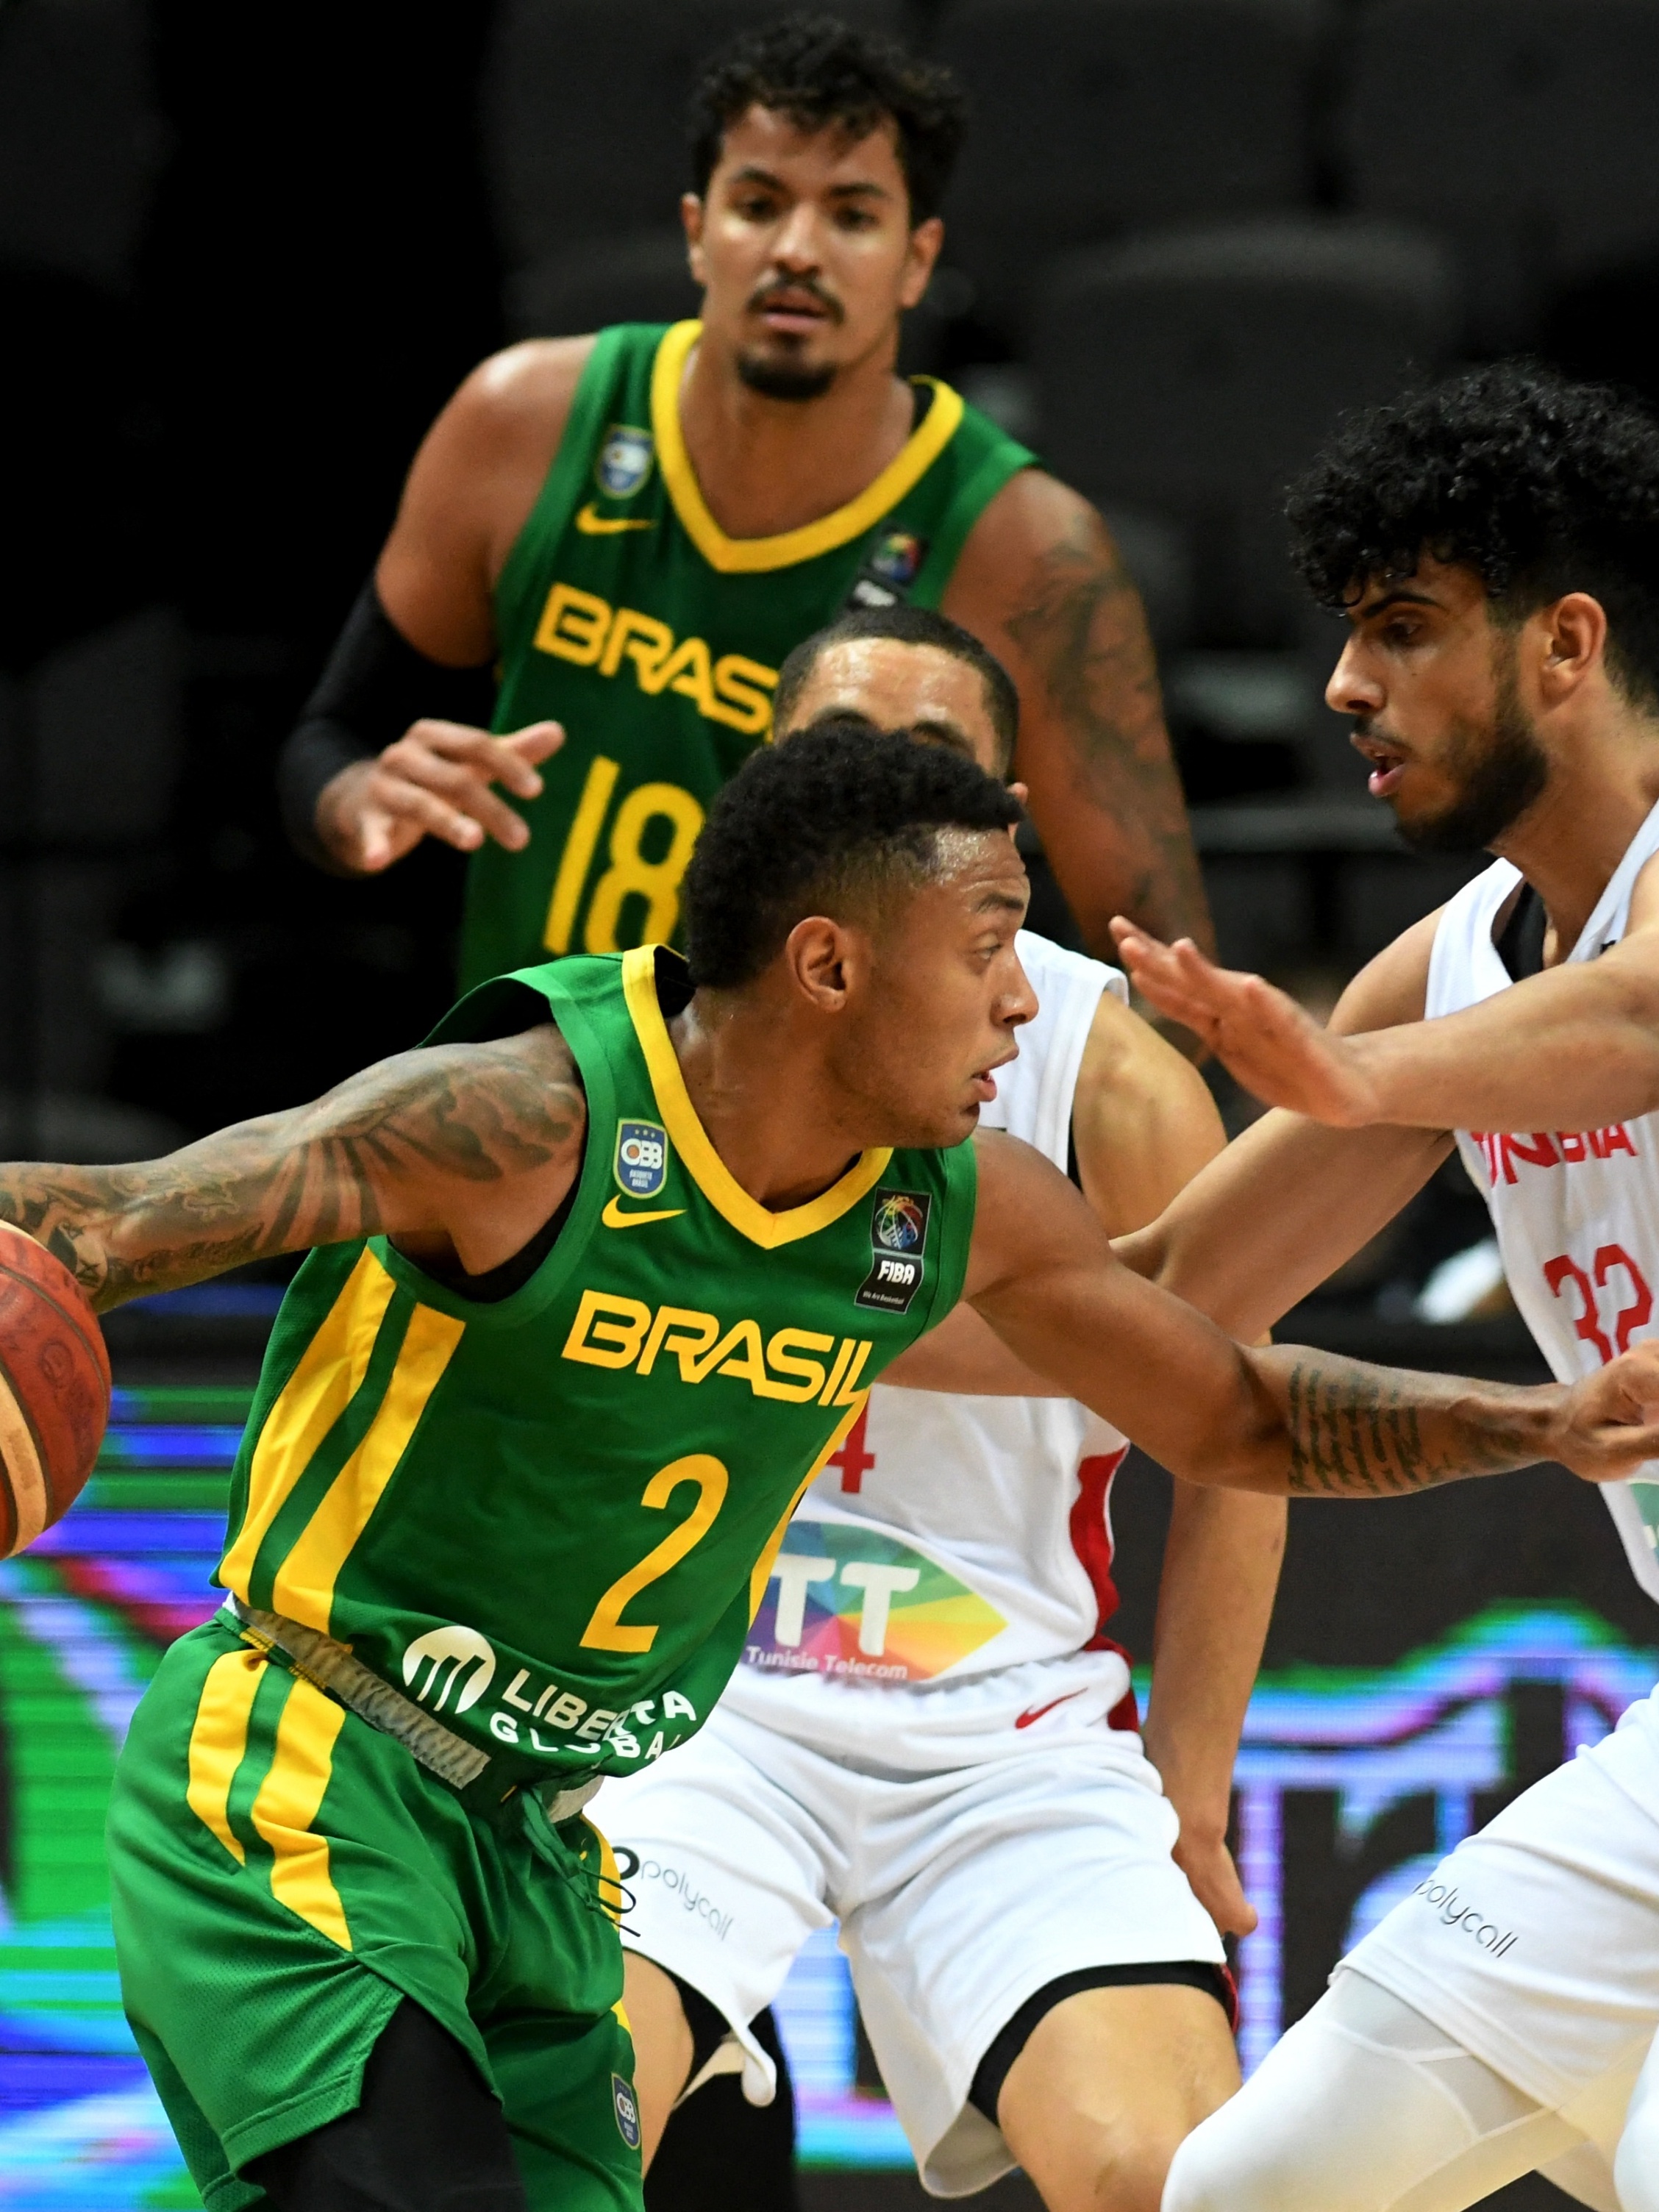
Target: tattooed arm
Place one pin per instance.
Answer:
(458, 1151)
(1040, 581)
(1284, 1420)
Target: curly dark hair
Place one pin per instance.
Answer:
(906, 625)
(818, 72)
(1541, 485)
(838, 815)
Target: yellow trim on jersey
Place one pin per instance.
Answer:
(289, 1800)
(733, 556)
(304, 1588)
(762, 1573)
(218, 1741)
(321, 1387)
(703, 1162)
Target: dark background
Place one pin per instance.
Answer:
(244, 255)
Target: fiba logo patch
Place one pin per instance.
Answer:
(888, 572)
(625, 461)
(641, 1161)
(898, 1239)
(628, 2110)
(900, 1221)
(897, 556)
(457, 1655)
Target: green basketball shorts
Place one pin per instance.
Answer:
(283, 1874)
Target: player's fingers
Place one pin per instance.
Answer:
(456, 741)
(496, 819)
(1622, 1447)
(465, 789)
(435, 817)
(537, 741)
(375, 850)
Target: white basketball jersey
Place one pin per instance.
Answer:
(951, 1536)
(1575, 1210)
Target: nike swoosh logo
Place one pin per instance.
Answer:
(1036, 1713)
(614, 1218)
(594, 524)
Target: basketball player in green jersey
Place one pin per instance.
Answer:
(632, 530)
(601, 1276)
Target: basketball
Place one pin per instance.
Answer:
(54, 1389)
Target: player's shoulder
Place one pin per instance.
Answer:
(1033, 513)
(526, 388)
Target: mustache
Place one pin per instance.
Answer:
(1364, 727)
(769, 294)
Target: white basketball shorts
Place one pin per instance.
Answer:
(960, 1895)
(1535, 1943)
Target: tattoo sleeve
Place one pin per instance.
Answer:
(1078, 622)
(1360, 1431)
(379, 1152)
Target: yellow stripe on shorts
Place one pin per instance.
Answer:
(609, 1891)
(218, 1740)
(288, 1802)
(304, 1588)
(322, 1386)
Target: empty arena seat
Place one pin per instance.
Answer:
(1092, 117)
(1192, 372)
(584, 104)
(1527, 131)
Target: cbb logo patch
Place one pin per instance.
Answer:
(628, 2110)
(625, 461)
(641, 1161)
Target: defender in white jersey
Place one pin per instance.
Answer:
(1496, 544)
(933, 1737)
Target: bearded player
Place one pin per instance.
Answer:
(932, 1736)
(602, 1277)
(627, 532)
(1496, 544)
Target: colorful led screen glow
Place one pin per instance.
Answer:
(85, 1617)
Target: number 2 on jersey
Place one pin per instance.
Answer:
(607, 1630)
(1564, 1275)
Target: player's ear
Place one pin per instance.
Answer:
(819, 956)
(1574, 640)
(691, 215)
(926, 241)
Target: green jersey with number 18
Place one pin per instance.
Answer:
(550, 1519)
(625, 612)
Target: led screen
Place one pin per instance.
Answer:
(1350, 1782)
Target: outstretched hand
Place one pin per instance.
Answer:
(1259, 1034)
(1610, 1418)
(434, 781)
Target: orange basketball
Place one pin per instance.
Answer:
(54, 1389)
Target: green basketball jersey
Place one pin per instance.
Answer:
(625, 612)
(552, 1519)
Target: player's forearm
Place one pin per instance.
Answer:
(405, 1145)
(247, 1193)
(1576, 1048)
(1349, 1430)
(1221, 1563)
(1281, 1209)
